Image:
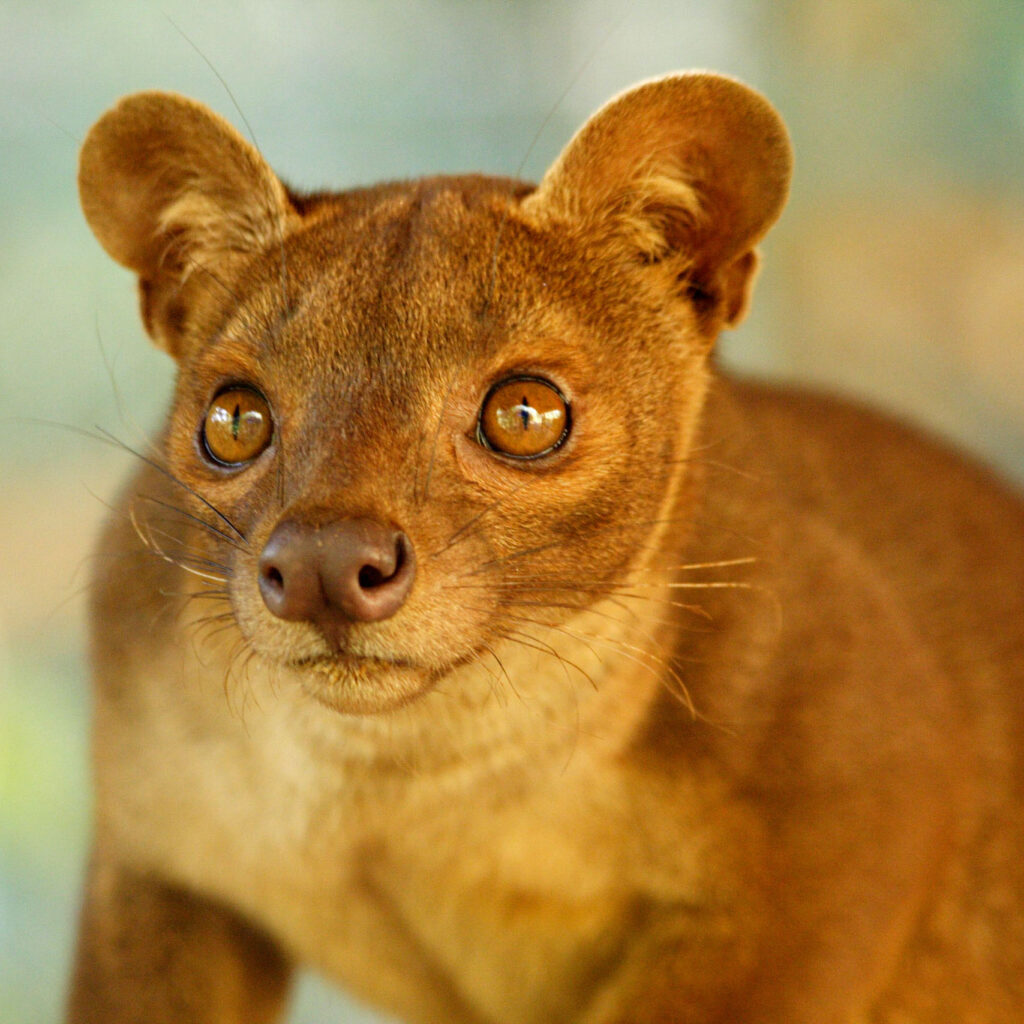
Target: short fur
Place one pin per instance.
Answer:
(711, 715)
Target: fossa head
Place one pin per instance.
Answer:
(417, 417)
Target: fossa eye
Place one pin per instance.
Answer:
(524, 418)
(238, 426)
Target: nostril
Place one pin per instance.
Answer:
(370, 576)
(289, 581)
(384, 570)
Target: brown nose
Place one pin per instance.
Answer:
(354, 570)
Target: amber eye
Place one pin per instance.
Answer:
(523, 417)
(237, 427)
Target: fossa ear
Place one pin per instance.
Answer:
(173, 192)
(690, 170)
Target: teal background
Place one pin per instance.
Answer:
(897, 273)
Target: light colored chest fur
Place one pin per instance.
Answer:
(415, 878)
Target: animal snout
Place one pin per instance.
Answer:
(353, 570)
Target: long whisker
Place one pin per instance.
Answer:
(252, 136)
(197, 520)
(593, 611)
(188, 555)
(637, 654)
(206, 634)
(433, 447)
(726, 563)
(533, 643)
(218, 596)
(613, 590)
(104, 436)
(496, 690)
(520, 553)
(632, 616)
(587, 61)
(541, 583)
(187, 558)
(122, 411)
(170, 476)
(465, 530)
(148, 540)
(586, 638)
(632, 652)
(526, 552)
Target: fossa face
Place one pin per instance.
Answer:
(481, 392)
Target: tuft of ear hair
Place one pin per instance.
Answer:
(171, 189)
(692, 168)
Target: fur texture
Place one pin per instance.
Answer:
(709, 714)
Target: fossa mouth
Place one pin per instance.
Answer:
(358, 684)
(346, 662)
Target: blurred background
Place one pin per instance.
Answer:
(897, 273)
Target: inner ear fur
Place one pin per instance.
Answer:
(693, 168)
(171, 189)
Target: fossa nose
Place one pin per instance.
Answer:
(352, 570)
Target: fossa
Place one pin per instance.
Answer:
(471, 638)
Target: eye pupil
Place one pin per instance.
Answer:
(526, 412)
(523, 418)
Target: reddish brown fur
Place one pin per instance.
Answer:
(711, 714)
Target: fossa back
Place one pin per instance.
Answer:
(470, 638)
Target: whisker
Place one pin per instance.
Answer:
(198, 520)
(206, 634)
(271, 199)
(613, 591)
(103, 436)
(433, 447)
(528, 641)
(501, 666)
(259, 321)
(630, 525)
(633, 618)
(535, 644)
(212, 588)
(521, 553)
(461, 532)
(228, 616)
(211, 619)
(745, 474)
(122, 411)
(508, 678)
(587, 61)
(117, 443)
(636, 653)
(187, 556)
(235, 671)
(691, 566)
(553, 651)
(179, 483)
(583, 637)
(595, 586)
(239, 665)
(705, 585)
(152, 545)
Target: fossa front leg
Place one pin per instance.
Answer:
(149, 953)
